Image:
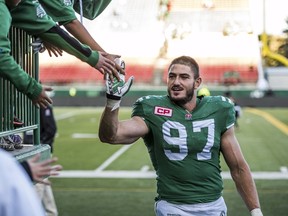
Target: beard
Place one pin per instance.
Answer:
(183, 100)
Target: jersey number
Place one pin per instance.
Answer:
(181, 141)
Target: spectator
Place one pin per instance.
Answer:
(15, 188)
(237, 107)
(203, 92)
(48, 130)
(30, 16)
(184, 135)
(65, 15)
(9, 69)
(39, 170)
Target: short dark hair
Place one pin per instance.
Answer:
(188, 61)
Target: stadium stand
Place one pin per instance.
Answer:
(190, 29)
(66, 74)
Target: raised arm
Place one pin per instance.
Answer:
(114, 131)
(240, 171)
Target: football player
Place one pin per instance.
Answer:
(184, 135)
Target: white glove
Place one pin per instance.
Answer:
(115, 89)
(256, 212)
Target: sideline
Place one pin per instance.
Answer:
(278, 124)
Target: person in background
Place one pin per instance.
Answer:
(11, 70)
(203, 92)
(16, 188)
(48, 129)
(184, 135)
(16, 184)
(237, 107)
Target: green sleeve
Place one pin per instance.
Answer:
(9, 68)
(58, 37)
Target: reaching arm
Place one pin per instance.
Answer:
(112, 130)
(79, 31)
(61, 39)
(76, 28)
(240, 171)
(11, 70)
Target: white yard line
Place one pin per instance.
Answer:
(152, 175)
(112, 158)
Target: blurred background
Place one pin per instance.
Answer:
(240, 45)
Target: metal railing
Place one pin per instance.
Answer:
(12, 102)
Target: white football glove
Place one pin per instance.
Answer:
(115, 89)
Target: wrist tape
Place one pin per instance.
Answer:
(256, 212)
(113, 104)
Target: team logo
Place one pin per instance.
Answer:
(40, 12)
(188, 116)
(163, 111)
(67, 2)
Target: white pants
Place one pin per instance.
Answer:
(46, 195)
(215, 208)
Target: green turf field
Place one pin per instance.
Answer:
(263, 138)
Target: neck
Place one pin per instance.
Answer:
(190, 105)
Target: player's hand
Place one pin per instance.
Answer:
(115, 89)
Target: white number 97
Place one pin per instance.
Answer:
(181, 141)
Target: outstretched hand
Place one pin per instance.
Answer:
(52, 49)
(38, 45)
(114, 58)
(41, 170)
(108, 67)
(116, 89)
(43, 99)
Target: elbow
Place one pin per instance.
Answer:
(106, 139)
(241, 171)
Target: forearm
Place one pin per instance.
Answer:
(108, 125)
(59, 38)
(81, 33)
(246, 188)
(10, 70)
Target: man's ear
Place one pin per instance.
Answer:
(198, 82)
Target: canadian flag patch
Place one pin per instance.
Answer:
(163, 111)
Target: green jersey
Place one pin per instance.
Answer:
(61, 11)
(30, 16)
(184, 147)
(9, 68)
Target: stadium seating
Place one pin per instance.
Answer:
(65, 74)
